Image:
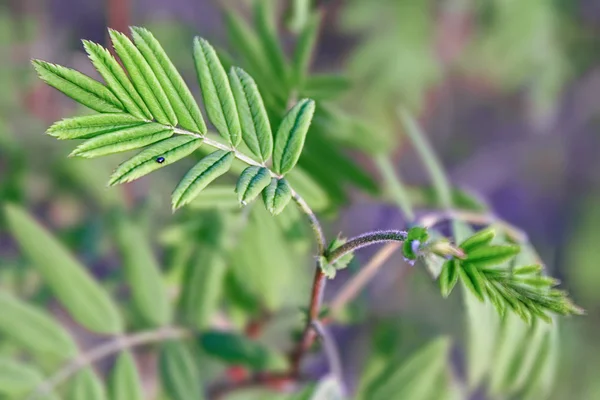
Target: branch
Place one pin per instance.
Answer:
(113, 346)
(365, 240)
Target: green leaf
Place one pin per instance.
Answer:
(86, 385)
(33, 328)
(449, 277)
(143, 78)
(472, 279)
(178, 372)
(305, 48)
(218, 98)
(156, 156)
(256, 129)
(78, 292)
(202, 287)
(18, 379)
(202, 174)
(265, 25)
(414, 378)
(117, 80)
(479, 239)
(325, 86)
(491, 255)
(143, 274)
(416, 234)
(251, 182)
(125, 381)
(89, 126)
(290, 136)
(122, 140)
(233, 348)
(185, 107)
(79, 87)
(277, 195)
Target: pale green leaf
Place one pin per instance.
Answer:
(251, 182)
(491, 255)
(247, 44)
(79, 87)
(325, 86)
(156, 156)
(290, 136)
(143, 274)
(305, 47)
(125, 381)
(277, 195)
(256, 129)
(117, 80)
(18, 379)
(265, 26)
(218, 98)
(185, 107)
(143, 78)
(203, 287)
(86, 385)
(122, 140)
(479, 239)
(178, 372)
(89, 126)
(33, 328)
(202, 174)
(219, 197)
(449, 277)
(87, 302)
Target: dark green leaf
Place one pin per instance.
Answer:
(449, 277)
(178, 372)
(479, 239)
(251, 182)
(290, 136)
(185, 107)
(86, 385)
(144, 80)
(117, 80)
(33, 328)
(202, 174)
(79, 87)
(122, 140)
(81, 295)
(256, 129)
(472, 279)
(218, 98)
(154, 157)
(90, 126)
(125, 381)
(233, 348)
(491, 255)
(277, 195)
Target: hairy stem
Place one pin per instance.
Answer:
(364, 240)
(113, 346)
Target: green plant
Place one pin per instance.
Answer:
(148, 106)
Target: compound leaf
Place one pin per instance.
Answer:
(203, 173)
(218, 98)
(290, 136)
(89, 126)
(256, 129)
(491, 255)
(156, 156)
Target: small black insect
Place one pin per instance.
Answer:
(160, 160)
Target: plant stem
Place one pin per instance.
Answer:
(113, 346)
(364, 240)
(394, 186)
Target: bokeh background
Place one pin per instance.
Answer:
(508, 92)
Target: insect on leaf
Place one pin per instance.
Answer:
(117, 80)
(251, 182)
(256, 129)
(122, 140)
(218, 98)
(185, 107)
(154, 157)
(277, 195)
(203, 173)
(290, 136)
(178, 372)
(79, 293)
(90, 126)
(79, 87)
(143, 79)
(124, 381)
(33, 328)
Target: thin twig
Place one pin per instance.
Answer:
(95, 354)
(364, 240)
(333, 355)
